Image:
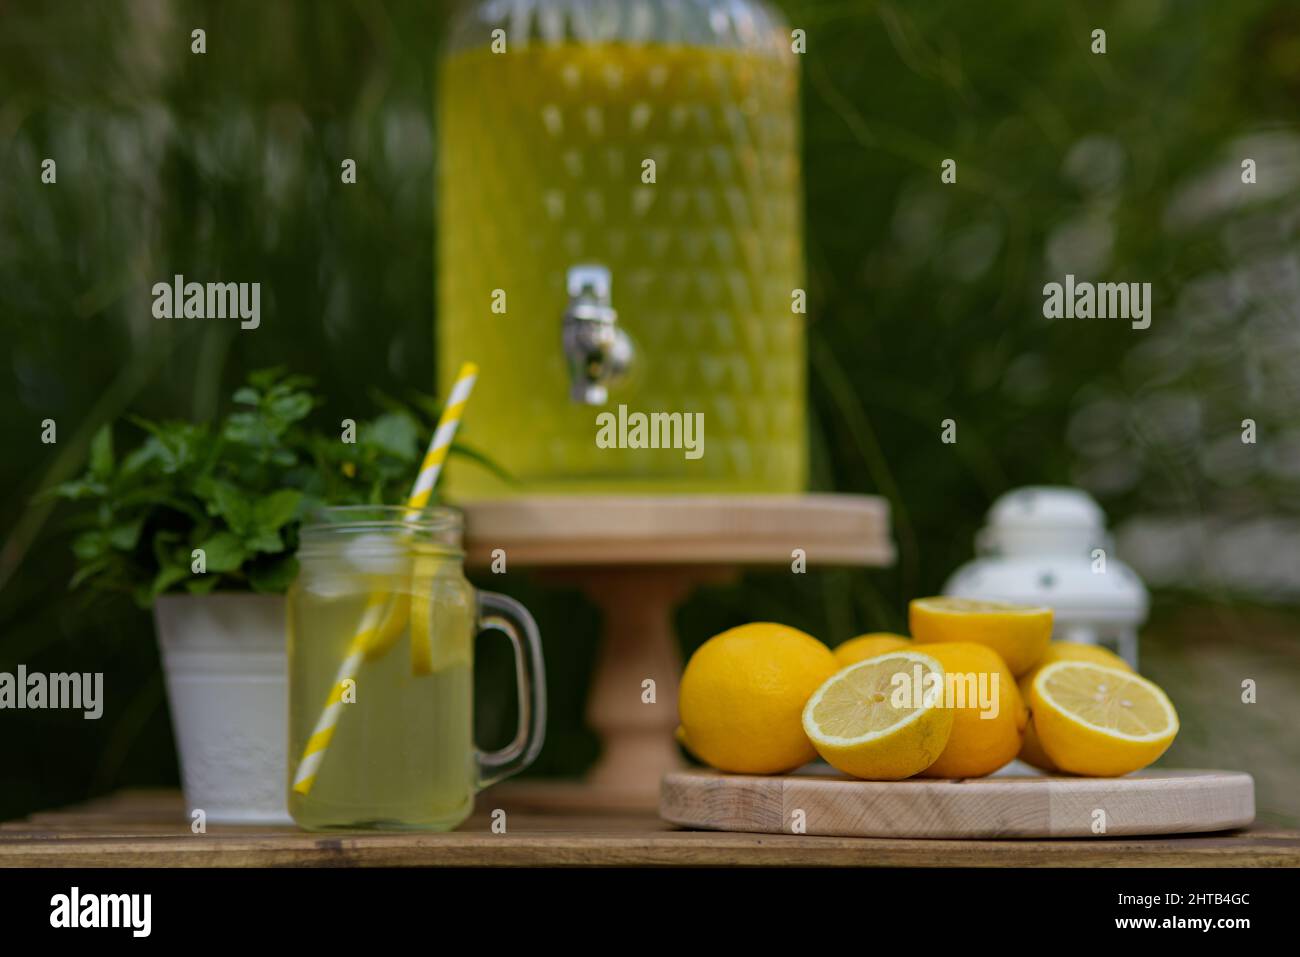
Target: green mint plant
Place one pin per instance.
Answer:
(237, 490)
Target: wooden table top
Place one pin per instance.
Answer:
(148, 829)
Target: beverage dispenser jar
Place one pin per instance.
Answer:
(620, 245)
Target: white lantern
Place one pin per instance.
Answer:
(1047, 545)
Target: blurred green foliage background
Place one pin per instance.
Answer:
(925, 304)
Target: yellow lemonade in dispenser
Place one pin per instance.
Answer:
(675, 168)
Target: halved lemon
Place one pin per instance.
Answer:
(1100, 721)
(876, 719)
(1019, 633)
(1031, 752)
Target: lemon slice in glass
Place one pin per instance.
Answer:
(441, 616)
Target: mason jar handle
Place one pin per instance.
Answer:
(503, 614)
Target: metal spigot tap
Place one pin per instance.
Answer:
(597, 352)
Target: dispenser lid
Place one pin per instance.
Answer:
(1042, 520)
(1039, 505)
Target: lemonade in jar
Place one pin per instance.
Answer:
(381, 629)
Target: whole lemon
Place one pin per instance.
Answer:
(1031, 752)
(742, 697)
(868, 646)
(988, 726)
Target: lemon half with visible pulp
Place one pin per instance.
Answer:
(1031, 752)
(873, 719)
(1100, 721)
(1019, 633)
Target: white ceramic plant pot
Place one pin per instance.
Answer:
(224, 659)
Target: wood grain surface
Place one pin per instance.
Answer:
(149, 829)
(680, 530)
(1023, 806)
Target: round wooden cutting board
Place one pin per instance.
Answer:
(1006, 805)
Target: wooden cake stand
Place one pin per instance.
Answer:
(637, 559)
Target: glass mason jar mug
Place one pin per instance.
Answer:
(381, 628)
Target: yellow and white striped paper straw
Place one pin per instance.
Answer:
(440, 444)
(373, 616)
